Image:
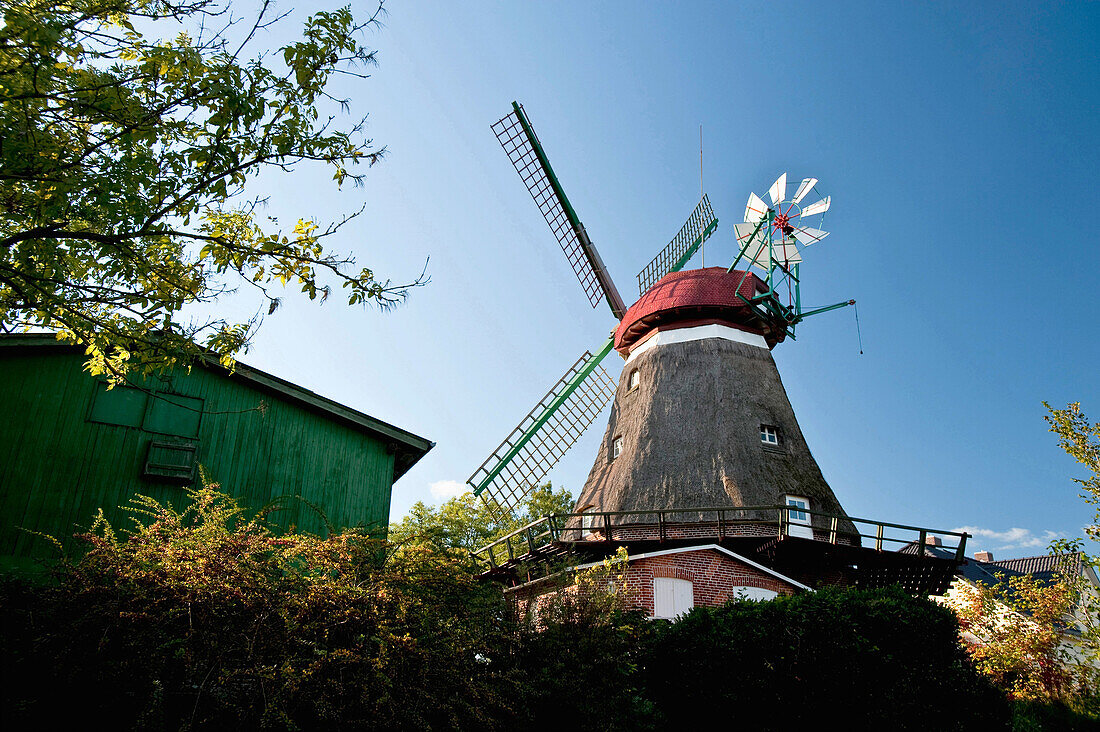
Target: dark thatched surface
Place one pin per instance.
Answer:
(691, 436)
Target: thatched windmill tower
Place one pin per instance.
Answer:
(700, 417)
(703, 473)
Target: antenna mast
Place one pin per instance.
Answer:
(702, 249)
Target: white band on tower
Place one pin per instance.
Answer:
(697, 333)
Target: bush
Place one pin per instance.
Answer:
(208, 618)
(580, 655)
(855, 659)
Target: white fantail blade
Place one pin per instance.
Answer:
(778, 191)
(758, 254)
(807, 236)
(755, 209)
(786, 253)
(744, 233)
(817, 208)
(805, 187)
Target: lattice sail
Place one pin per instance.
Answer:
(540, 440)
(520, 148)
(700, 225)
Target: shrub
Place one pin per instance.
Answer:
(855, 659)
(208, 618)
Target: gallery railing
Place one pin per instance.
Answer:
(558, 531)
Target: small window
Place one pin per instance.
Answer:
(123, 405)
(798, 517)
(173, 414)
(769, 435)
(672, 597)
(171, 461)
(616, 447)
(635, 379)
(161, 412)
(758, 594)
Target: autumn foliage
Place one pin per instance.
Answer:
(208, 617)
(1014, 633)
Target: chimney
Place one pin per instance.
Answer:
(932, 541)
(984, 556)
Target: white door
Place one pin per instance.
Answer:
(798, 522)
(672, 597)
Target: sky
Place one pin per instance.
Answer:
(958, 143)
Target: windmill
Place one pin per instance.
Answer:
(703, 474)
(572, 404)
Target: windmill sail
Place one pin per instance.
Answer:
(700, 225)
(541, 438)
(747, 233)
(778, 191)
(807, 236)
(519, 141)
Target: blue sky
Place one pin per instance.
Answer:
(959, 144)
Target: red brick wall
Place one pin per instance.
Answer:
(714, 576)
(694, 530)
(689, 530)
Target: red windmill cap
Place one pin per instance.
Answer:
(697, 297)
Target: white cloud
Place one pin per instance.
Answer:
(444, 489)
(1014, 538)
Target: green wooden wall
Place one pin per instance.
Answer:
(57, 466)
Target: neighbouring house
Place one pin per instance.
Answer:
(69, 445)
(983, 570)
(668, 582)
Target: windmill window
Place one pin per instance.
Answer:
(769, 435)
(616, 447)
(635, 379)
(796, 516)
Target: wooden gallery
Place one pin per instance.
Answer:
(71, 446)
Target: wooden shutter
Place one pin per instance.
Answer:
(672, 597)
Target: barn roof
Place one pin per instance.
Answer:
(408, 448)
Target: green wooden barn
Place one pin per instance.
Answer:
(69, 445)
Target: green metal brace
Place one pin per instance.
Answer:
(791, 316)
